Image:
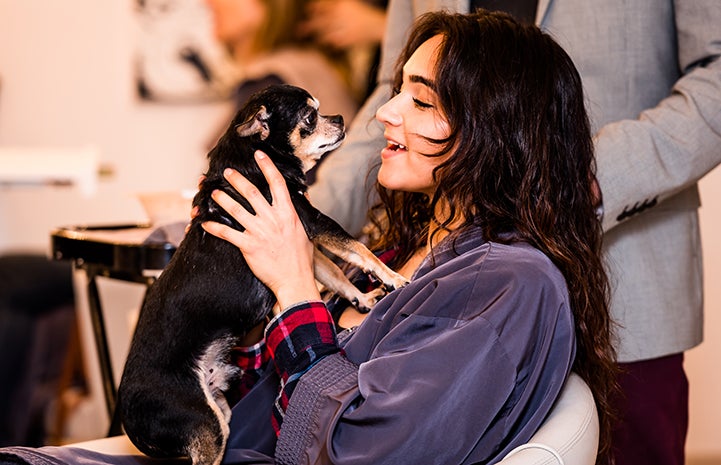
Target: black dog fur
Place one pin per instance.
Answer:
(171, 397)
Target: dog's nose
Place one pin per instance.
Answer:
(336, 119)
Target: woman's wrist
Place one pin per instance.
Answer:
(290, 294)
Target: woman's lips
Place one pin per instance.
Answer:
(392, 149)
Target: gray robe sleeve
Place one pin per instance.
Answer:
(471, 358)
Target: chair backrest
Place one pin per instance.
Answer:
(569, 436)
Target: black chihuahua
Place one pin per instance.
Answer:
(172, 395)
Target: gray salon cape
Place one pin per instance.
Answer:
(458, 367)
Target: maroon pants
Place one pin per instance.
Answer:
(653, 412)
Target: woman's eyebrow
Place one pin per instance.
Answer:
(422, 80)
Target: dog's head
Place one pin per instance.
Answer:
(281, 120)
(285, 121)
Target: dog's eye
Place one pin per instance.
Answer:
(311, 118)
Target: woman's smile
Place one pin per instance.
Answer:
(413, 123)
(393, 149)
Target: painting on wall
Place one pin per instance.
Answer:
(177, 57)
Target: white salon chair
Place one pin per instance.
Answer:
(569, 436)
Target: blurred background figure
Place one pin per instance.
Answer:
(177, 58)
(353, 26)
(37, 324)
(262, 37)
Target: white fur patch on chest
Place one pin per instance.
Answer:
(215, 372)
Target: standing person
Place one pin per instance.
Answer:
(37, 317)
(261, 36)
(507, 292)
(353, 26)
(652, 74)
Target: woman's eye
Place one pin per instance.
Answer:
(417, 102)
(422, 104)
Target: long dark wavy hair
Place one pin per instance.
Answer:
(523, 167)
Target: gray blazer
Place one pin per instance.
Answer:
(653, 80)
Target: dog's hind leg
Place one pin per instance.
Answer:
(204, 448)
(214, 374)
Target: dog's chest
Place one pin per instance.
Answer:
(214, 367)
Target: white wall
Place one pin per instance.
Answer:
(66, 81)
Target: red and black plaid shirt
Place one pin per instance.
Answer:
(295, 339)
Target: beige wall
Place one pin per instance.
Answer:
(66, 68)
(702, 363)
(66, 80)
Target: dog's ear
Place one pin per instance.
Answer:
(258, 124)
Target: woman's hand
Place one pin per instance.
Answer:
(274, 242)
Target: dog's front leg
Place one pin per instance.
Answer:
(333, 278)
(355, 253)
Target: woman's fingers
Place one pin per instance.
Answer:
(276, 181)
(194, 211)
(227, 233)
(280, 198)
(235, 209)
(273, 242)
(263, 213)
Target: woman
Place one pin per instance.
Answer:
(487, 184)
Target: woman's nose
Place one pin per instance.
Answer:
(387, 113)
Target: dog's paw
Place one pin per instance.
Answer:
(364, 302)
(394, 281)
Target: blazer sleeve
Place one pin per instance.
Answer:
(668, 148)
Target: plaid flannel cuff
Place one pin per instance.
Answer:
(252, 361)
(252, 357)
(300, 336)
(297, 339)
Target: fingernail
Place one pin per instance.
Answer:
(259, 155)
(227, 172)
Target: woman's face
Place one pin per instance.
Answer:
(236, 20)
(410, 117)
